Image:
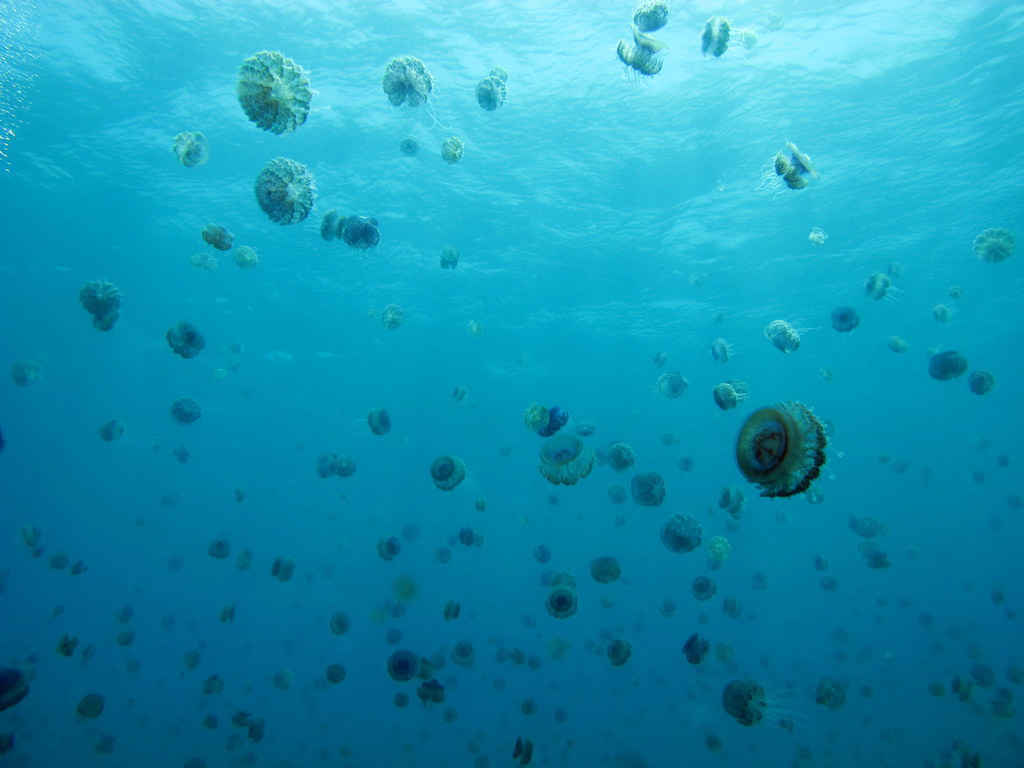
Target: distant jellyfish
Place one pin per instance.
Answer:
(877, 285)
(490, 92)
(830, 693)
(781, 449)
(732, 607)
(727, 396)
(91, 706)
(449, 257)
(556, 419)
(329, 224)
(703, 588)
(112, 430)
(26, 372)
(620, 456)
(994, 244)
(452, 609)
(542, 553)
(719, 550)
(204, 261)
(219, 237)
(379, 421)
(13, 687)
(940, 313)
(746, 701)
(186, 410)
(565, 459)
(651, 16)
(283, 568)
(605, 570)
(619, 652)
(947, 365)
(409, 146)
(845, 319)
(285, 191)
(981, 382)
(335, 673)
(274, 92)
(783, 336)
(407, 80)
(681, 533)
(696, 648)
(246, 257)
(340, 623)
(562, 601)
(452, 148)
(462, 653)
(388, 547)
(185, 339)
(403, 665)
(647, 489)
(102, 300)
(714, 40)
(817, 236)
(447, 472)
(897, 344)
(720, 351)
(671, 385)
(360, 232)
(191, 148)
(392, 316)
(219, 549)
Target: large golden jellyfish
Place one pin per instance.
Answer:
(781, 449)
(565, 459)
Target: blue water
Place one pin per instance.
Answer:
(601, 219)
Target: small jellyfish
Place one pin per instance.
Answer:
(817, 236)
(605, 570)
(91, 706)
(562, 601)
(26, 372)
(897, 344)
(335, 673)
(659, 359)
(283, 568)
(409, 146)
(619, 652)
(379, 421)
(360, 232)
(447, 472)
(845, 319)
(329, 224)
(219, 549)
(877, 286)
(191, 148)
(449, 257)
(783, 336)
(204, 261)
(642, 57)
(955, 292)
(112, 430)
(246, 257)
(565, 459)
(285, 191)
(617, 494)
(462, 653)
(994, 244)
(671, 385)
(407, 80)
(714, 40)
(727, 396)
(947, 365)
(681, 533)
(186, 410)
(555, 419)
(647, 489)
(392, 316)
(651, 16)
(830, 693)
(388, 547)
(403, 665)
(102, 300)
(219, 237)
(491, 91)
(940, 313)
(340, 623)
(720, 351)
(719, 550)
(696, 648)
(703, 588)
(781, 449)
(620, 456)
(185, 339)
(452, 609)
(13, 687)
(451, 149)
(542, 553)
(274, 92)
(981, 382)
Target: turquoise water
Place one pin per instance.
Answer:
(601, 219)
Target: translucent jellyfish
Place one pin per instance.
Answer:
(274, 92)
(407, 81)
(947, 365)
(283, 568)
(641, 57)
(26, 372)
(565, 459)
(340, 623)
(727, 395)
(246, 257)
(714, 40)
(659, 359)
(748, 703)
(703, 588)
(719, 550)
(940, 313)
(403, 665)
(191, 148)
(462, 653)
(897, 344)
(605, 570)
(732, 607)
(204, 261)
(619, 652)
(721, 351)
(91, 706)
(845, 319)
(681, 533)
(335, 673)
(620, 457)
(102, 300)
(285, 191)
(817, 236)
(392, 316)
(449, 257)
(447, 472)
(542, 553)
(409, 146)
(671, 385)
(219, 237)
(329, 224)
(994, 245)
(651, 16)
(13, 687)
(112, 430)
(451, 149)
(783, 336)
(830, 693)
(647, 489)
(562, 601)
(185, 339)
(781, 449)
(491, 91)
(877, 286)
(186, 410)
(328, 464)
(981, 382)
(360, 232)
(219, 549)
(388, 547)
(617, 494)
(379, 421)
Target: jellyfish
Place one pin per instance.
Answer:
(749, 703)
(845, 319)
(562, 601)
(452, 609)
(994, 244)
(462, 653)
(641, 57)
(204, 261)
(283, 568)
(112, 430)
(409, 146)
(981, 382)
(392, 316)
(940, 313)
(191, 148)
(326, 463)
(619, 652)
(719, 550)
(219, 237)
(830, 693)
(947, 365)
(451, 149)
(605, 570)
(274, 92)
(102, 300)
(407, 80)
(554, 418)
(696, 648)
(447, 472)
(246, 257)
(732, 607)
(877, 285)
(91, 706)
(186, 410)
(617, 494)
(783, 336)
(403, 665)
(542, 553)
(817, 236)
(659, 359)
(491, 91)
(335, 673)
(329, 224)
(379, 421)
(285, 191)
(703, 588)
(681, 533)
(565, 459)
(651, 16)
(388, 547)
(359, 232)
(781, 449)
(620, 457)
(671, 385)
(714, 40)
(26, 372)
(728, 395)
(449, 257)
(897, 344)
(721, 351)
(13, 687)
(185, 339)
(219, 549)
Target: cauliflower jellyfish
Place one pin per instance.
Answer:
(947, 365)
(407, 80)
(219, 237)
(274, 92)
(392, 316)
(562, 601)
(449, 257)
(491, 91)
(285, 191)
(409, 146)
(447, 472)
(994, 244)
(721, 351)
(329, 225)
(191, 148)
(845, 319)
(671, 385)
(651, 16)
(451, 149)
(102, 300)
(565, 459)
(981, 382)
(185, 339)
(360, 232)
(781, 449)
(877, 286)
(246, 257)
(783, 336)
(647, 489)
(749, 703)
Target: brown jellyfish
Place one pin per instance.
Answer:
(781, 449)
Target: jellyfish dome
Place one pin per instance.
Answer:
(403, 665)
(13, 687)
(379, 421)
(648, 489)
(451, 149)
(562, 601)
(726, 396)
(782, 336)
(359, 232)
(605, 570)
(619, 652)
(565, 459)
(947, 365)
(714, 40)
(407, 81)
(447, 472)
(490, 92)
(877, 286)
(449, 257)
(392, 316)
(671, 385)
(26, 372)
(186, 410)
(994, 244)
(185, 339)
(703, 588)
(218, 236)
(681, 533)
(747, 701)
(981, 382)
(285, 191)
(274, 92)
(696, 648)
(409, 146)
(102, 300)
(246, 257)
(620, 456)
(191, 148)
(781, 449)
(640, 59)
(329, 225)
(830, 693)
(845, 319)
(652, 16)
(557, 418)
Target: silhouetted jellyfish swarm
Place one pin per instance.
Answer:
(186, 410)
(219, 237)
(830, 693)
(565, 459)
(91, 706)
(620, 457)
(13, 687)
(947, 365)
(407, 80)
(359, 232)
(845, 319)
(981, 382)
(681, 533)
(403, 665)
(619, 652)
(274, 92)
(185, 339)
(490, 92)
(379, 421)
(648, 489)
(112, 430)
(447, 472)
(745, 700)
(562, 601)
(994, 244)
(696, 648)
(285, 191)
(102, 300)
(191, 148)
(781, 449)
(605, 570)
(703, 588)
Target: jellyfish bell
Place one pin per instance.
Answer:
(556, 419)
(447, 472)
(726, 396)
(407, 80)
(714, 40)
(944, 366)
(801, 160)
(285, 191)
(274, 92)
(877, 285)
(360, 232)
(781, 449)
(640, 60)
(565, 459)
(994, 245)
(452, 149)
(185, 339)
(13, 687)
(783, 336)
(191, 148)
(845, 319)
(817, 236)
(748, 703)
(981, 382)
(671, 385)
(721, 351)
(491, 92)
